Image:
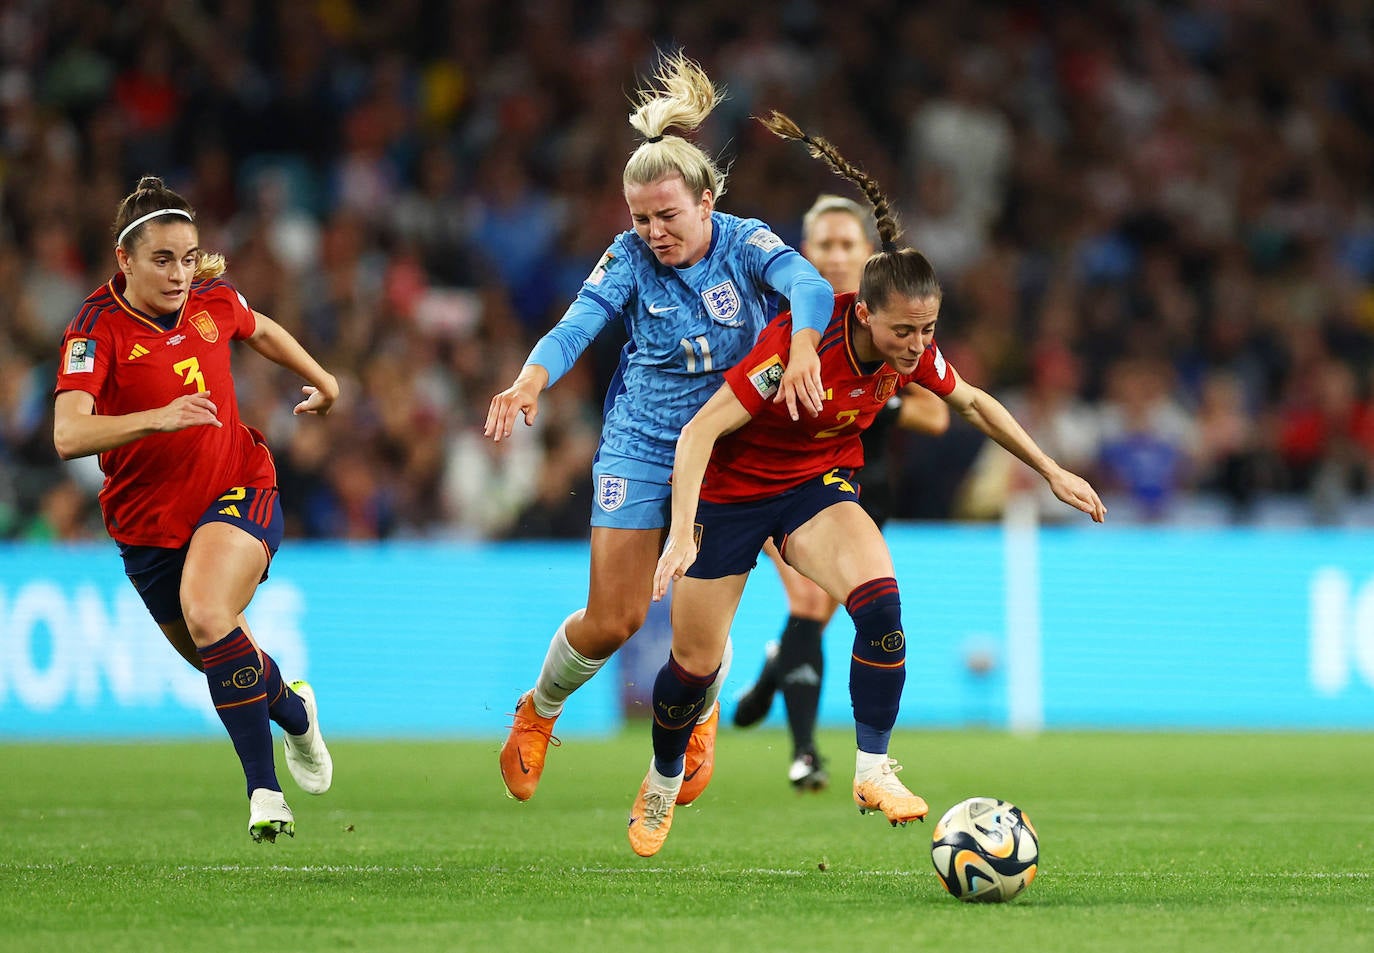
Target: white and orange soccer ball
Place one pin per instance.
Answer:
(985, 850)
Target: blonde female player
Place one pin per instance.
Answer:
(693, 286)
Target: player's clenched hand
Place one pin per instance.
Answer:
(801, 380)
(188, 410)
(678, 556)
(522, 397)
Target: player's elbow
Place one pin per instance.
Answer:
(933, 419)
(67, 438)
(697, 438)
(65, 443)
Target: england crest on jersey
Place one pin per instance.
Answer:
(611, 492)
(723, 303)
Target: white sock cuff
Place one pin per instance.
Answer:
(713, 690)
(866, 762)
(565, 670)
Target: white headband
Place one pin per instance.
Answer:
(139, 221)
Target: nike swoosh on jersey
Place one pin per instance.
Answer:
(655, 309)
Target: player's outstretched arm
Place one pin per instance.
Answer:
(986, 413)
(521, 397)
(720, 415)
(78, 432)
(922, 411)
(275, 343)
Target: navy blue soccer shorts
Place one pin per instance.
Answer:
(731, 535)
(155, 571)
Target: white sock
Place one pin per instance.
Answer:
(713, 690)
(866, 763)
(565, 671)
(663, 782)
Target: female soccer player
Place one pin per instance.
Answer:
(836, 239)
(190, 491)
(694, 287)
(744, 473)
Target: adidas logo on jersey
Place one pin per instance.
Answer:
(138, 351)
(231, 510)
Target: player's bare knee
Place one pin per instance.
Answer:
(601, 634)
(697, 660)
(206, 622)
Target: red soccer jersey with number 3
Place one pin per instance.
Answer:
(773, 452)
(158, 486)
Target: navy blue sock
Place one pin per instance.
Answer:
(237, 688)
(877, 669)
(283, 705)
(678, 699)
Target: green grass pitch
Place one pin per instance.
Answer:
(1150, 842)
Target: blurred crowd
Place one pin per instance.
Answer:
(1154, 222)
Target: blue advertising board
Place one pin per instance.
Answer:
(1024, 628)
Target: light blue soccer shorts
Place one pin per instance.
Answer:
(630, 494)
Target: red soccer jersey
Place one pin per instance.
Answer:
(773, 452)
(158, 486)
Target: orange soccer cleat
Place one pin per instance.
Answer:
(651, 817)
(522, 755)
(701, 758)
(880, 790)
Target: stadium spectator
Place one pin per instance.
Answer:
(745, 472)
(693, 287)
(190, 494)
(1153, 139)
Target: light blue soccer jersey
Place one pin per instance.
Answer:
(686, 327)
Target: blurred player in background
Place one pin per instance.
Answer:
(694, 286)
(745, 472)
(838, 238)
(190, 491)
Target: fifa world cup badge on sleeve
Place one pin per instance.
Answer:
(763, 238)
(80, 356)
(611, 492)
(599, 271)
(767, 376)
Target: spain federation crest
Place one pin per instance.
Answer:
(205, 325)
(887, 386)
(611, 492)
(722, 301)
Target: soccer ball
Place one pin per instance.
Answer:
(985, 850)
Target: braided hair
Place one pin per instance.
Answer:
(891, 270)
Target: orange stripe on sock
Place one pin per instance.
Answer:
(877, 664)
(248, 701)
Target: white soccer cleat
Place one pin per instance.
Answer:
(808, 772)
(269, 816)
(306, 756)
